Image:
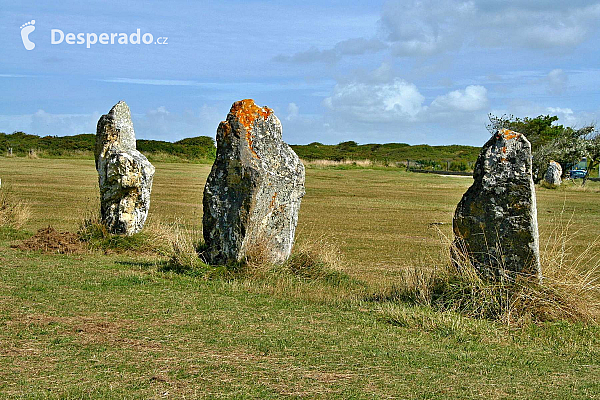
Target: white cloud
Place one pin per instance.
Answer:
(426, 27)
(293, 111)
(566, 116)
(160, 110)
(418, 28)
(473, 98)
(398, 100)
(370, 110)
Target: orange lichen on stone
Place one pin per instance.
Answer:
(225, 128)
(247, 112)
(508, 134)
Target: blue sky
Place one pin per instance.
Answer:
(370, 71)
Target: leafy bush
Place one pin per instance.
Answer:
(458, 166)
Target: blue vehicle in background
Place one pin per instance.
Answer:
(577, 173)
(578, 170)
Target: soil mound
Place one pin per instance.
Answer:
(49, 240)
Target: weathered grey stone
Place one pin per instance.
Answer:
(253, 193)
(124, 174)
(554, 174)
(495, 223)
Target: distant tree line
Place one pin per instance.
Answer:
(458, 158)
(191, 149)
(549, 140)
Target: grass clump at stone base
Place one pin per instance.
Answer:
(153, 239)
(314, 266)
(548, 185)
(185, 255)
(316, 262)
(564, 294)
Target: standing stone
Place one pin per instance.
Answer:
(554, 174)
(495, 223)
(252, 195)
(124, 174)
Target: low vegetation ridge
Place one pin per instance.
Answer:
(423, 154)
(202, 148)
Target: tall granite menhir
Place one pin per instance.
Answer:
(124, 174)
(495, 223)
(253, 193)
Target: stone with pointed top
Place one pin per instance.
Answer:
(253, 193)
(124, 174)
(495, 223)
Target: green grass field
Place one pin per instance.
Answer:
(97, 325)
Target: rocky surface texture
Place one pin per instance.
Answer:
(253, 193)
(124, 174)
(495, 223)
(554, 174)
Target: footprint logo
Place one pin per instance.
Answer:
(26, 29)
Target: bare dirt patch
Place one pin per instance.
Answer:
(49, 240)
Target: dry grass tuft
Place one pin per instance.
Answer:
(14, 213)
(154, 239)
(315, 259)
(573, 275)
(310, 259)
(184, 251)
(565, 293)
(311, 271)
(548, 185)
(257, 261)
